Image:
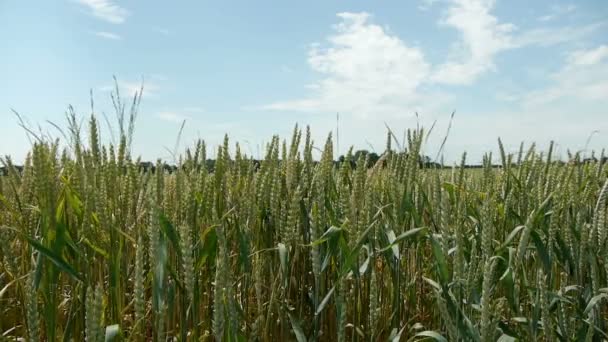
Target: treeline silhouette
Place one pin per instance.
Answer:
(373, 158)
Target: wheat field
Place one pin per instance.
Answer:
(95, 247)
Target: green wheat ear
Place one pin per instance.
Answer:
(33, 319)
(139, 287)
(298, 246)
(94, 313)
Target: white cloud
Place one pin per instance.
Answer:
(129, 88)
(179, 115)
(506, 96)
(548, 36)
(584, 77)
(546, 17)
(370, 76)
(173, 116)
(557, 11)
(482, 36)
(589, 57)
(106, 10)
(108, 35)
(366, 70)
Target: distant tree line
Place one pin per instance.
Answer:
(373, 157)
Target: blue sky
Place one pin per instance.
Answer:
(521, 70)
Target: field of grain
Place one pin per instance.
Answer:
(93, 247)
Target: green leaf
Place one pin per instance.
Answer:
(112, 332)
(569, 288)
(390, 235)
(244, 251)
(541, 250)
(539, 212)
(326, 259)
(410, 234)
(365, 265)
(506, 338)
(73, 201)
(351, 260)
(158, 290)
(432, 334)
(508, 283)
(283, 257)
(209, 238)
(508, 330)
(594, 301)
(168, 229)
(96, 249)
(396, 335)
(433, 283)
(7, 286)
(325, 301)
(54, 258)
(511, 236)
(175, 277)
(329, 233)
(297, 329)
(440, 261)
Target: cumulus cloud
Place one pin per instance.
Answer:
(371, 76)
(482, 37)
(365, 68)
(106, 10)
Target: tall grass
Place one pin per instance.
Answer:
(94, 247)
